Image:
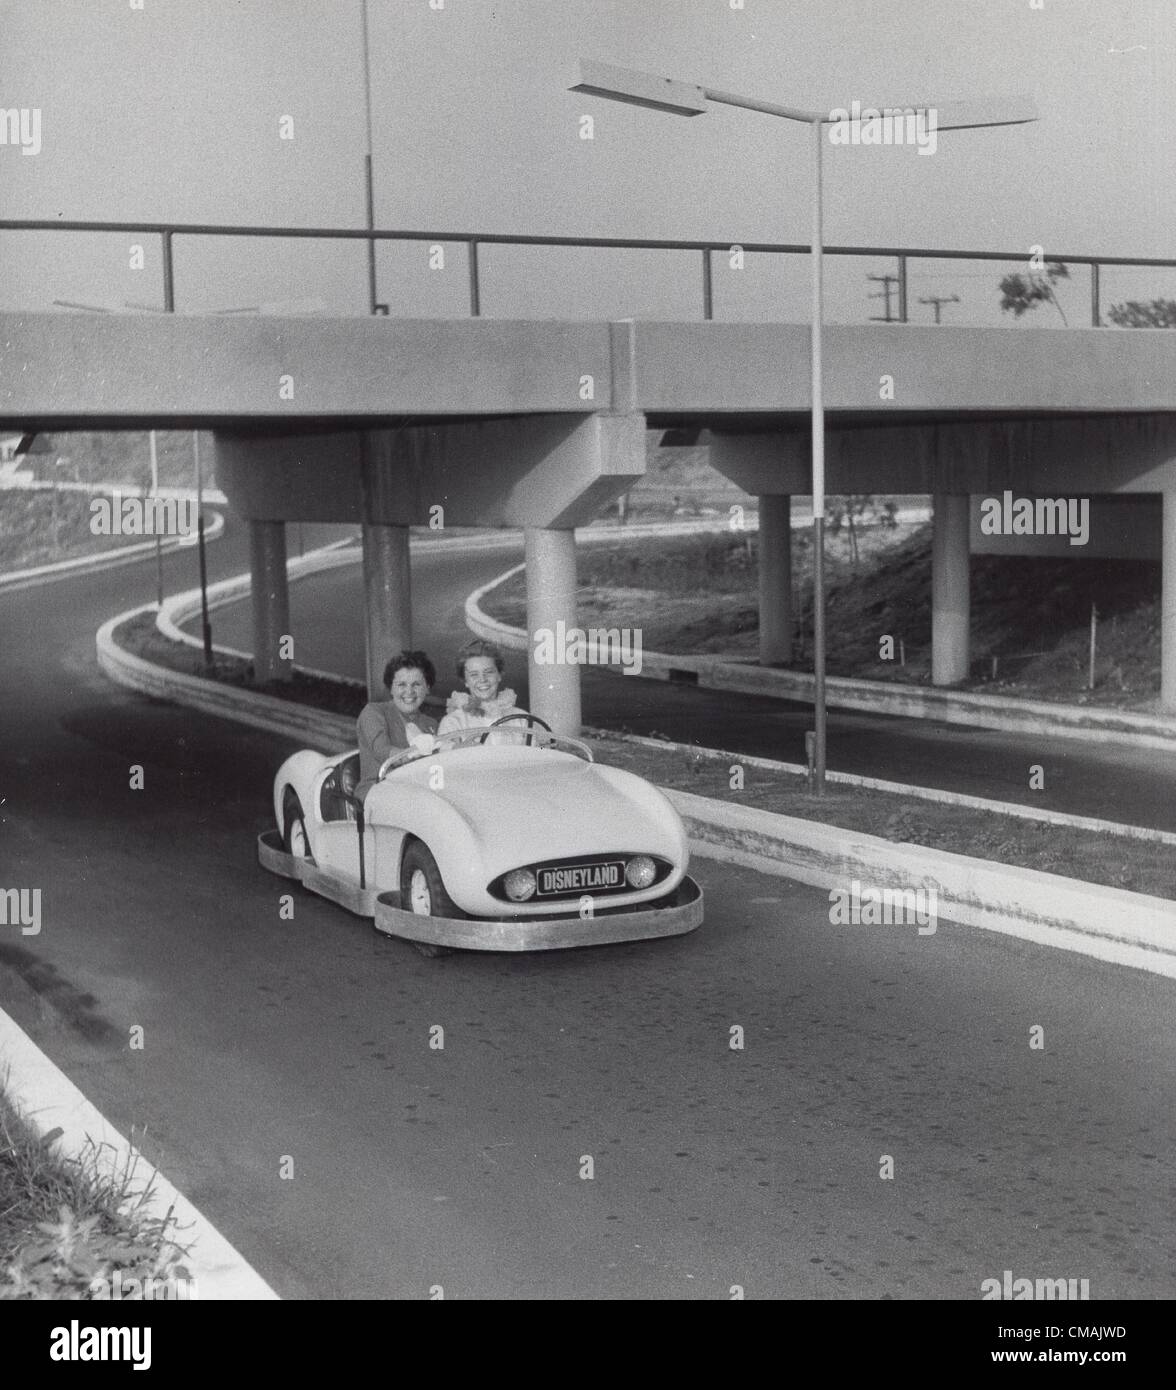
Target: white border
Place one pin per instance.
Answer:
(47, 1099)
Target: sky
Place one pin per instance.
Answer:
(174, 111)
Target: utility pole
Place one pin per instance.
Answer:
(939, 300)
(889, 285)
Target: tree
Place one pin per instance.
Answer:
(858, 509)
(1020, 293)
(1137, 313)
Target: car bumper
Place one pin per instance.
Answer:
(680, 911)
(677, 913)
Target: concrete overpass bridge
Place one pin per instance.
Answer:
(391, 423)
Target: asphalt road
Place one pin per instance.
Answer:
(1137, 786)
(415, 1167)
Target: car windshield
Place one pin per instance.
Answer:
(432, 746)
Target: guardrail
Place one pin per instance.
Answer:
(901, 255)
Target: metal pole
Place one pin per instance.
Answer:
(1095, 306)
(371, 246)
(206, 626)
(902, 289)
(158, 542)
(169, 276)
(368, 180)
(475, 288)
(818, 468)
(1093, 645)
(708, 287)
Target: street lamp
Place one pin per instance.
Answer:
(369, 185)
(690, 99)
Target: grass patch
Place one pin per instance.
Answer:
(140, 636)
(70, 1231)
(1030, 627)
(117, 456)
(1142, 866)
(36, 529)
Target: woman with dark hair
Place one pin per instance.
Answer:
(479, 667)
(387, 725)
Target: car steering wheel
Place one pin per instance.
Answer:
(530, 719)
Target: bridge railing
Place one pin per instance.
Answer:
(706, 251)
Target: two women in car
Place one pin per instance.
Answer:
(386, 726)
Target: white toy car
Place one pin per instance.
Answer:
(516, 841)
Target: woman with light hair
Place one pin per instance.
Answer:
(483, 701)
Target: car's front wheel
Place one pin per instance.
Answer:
(422, 891)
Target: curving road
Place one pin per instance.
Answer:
(415, 1167)
(1132, 785)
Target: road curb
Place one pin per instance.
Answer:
(47, 1100)
(1041, 815)
(1109, 924)
(872, 697)
(312, 728)
(107, 559)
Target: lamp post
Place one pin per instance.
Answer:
(158, 543)
(369, 184)
(205, 625)
(690, 99)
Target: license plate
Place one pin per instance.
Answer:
(581, 878)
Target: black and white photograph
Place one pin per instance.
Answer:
(587, 666)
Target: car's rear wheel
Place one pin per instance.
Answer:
(422, 891)
(295, 840)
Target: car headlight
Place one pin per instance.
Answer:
(640, 871)
(519, 885)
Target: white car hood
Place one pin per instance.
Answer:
(526, 806)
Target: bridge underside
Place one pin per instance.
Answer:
(395, 423)
(549, 474)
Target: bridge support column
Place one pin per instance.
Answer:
(1168, 607)
(551, 600)
(387, 593)
(271, 600)
(775, 578)
(950, 589)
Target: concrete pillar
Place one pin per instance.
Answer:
(950, 590)
(387, 592)
(1168, 607)
(775, 578)
(271, 599)
(551, 600)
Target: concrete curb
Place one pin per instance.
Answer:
(945, 798)
(47, 1099)
(874, 697)
(481, 624)
(1109, 924)
(213, 496)
(309, 727)
(312, 728)
(184, 606)
(108, 559)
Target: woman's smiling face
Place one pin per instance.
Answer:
(409, 689)
(481, 677)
